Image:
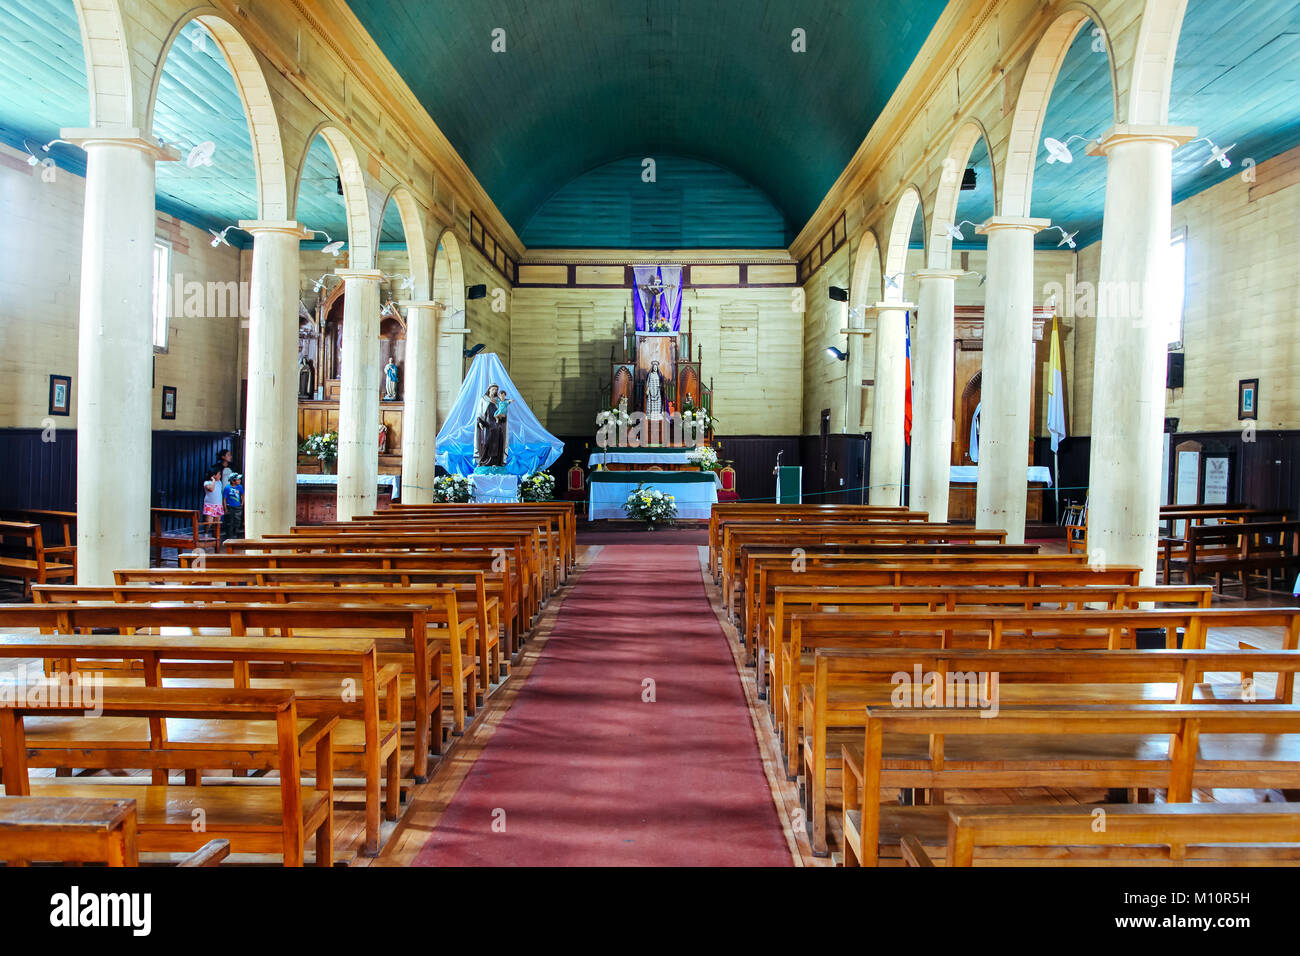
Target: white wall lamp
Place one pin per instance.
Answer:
(954, 231)
(1058, 151)
(1067, 238)
(332, 246)
(1217, 154)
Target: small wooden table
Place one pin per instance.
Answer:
(68, 830)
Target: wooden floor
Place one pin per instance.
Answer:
(425, 803)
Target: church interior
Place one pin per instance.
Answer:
(808, 433)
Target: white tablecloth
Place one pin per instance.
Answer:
(969, 474)
(694, 499)
(495, 488)
(672, 456)
(385, 481)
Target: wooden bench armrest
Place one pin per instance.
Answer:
(315, 731)
(854, 758)
(210, 854)
(913, 853)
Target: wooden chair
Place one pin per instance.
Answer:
(23, 555)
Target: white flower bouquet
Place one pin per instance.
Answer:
(539, 486)
(704, 456)
(651, 506)
(452, 488)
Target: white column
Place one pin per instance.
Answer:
(271, 443)
(359, 394)
(886, 472)
(420, 402)
(855, 333)
(114, 380)
(932, 373)
(1006, 382)
(1129, 374)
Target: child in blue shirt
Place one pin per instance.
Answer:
(234, 502)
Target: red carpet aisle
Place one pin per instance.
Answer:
(581, 771)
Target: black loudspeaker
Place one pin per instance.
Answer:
(1174, 370)
(838, 294)
(476, 292)
(968, 179)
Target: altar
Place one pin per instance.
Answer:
(694, 492)
(631, 459)
(318, 496)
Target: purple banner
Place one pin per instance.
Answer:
(657, 298)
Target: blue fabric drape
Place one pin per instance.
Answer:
(529, 446)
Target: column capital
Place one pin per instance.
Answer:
(1122, 133)
(362, 275)
(994, 223)
(287, 226)
(880, 307)
(421, 304)
(950, 274)
(128, 136)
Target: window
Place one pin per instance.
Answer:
(1177, 278)
(162, 257)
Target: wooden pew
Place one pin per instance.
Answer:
(1242, 549)
(474, 662)
(518, 549)
(482, 595)
(753, 559)
(811, 537)
(62, 523)
(783, 648)
(320, 683)
(927, 571)
(1172, 746)
(410, 565)
(750, 512)
(810, 705)
(253, 819)
(369, 740)
(23, 555)
(179, 528)
(68, 830)
(1165, 834)
(560, 516)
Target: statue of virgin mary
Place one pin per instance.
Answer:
(489, 431)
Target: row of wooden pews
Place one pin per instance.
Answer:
(943, 697)
(340, 659)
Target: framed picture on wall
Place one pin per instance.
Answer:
(169, 401)
(1248, 398)
(60, 394)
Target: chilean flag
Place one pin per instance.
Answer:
(907, 371)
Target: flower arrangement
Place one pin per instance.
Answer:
(539, 486)
(697, 416)
(660, 325)
(651, 506)
(704, 456)
(452, 488)
(323, 446)
(613, 418)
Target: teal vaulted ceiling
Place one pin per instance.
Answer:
(677, 203)
(583, 83)
(1236, 78)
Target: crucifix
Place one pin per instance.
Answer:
(654, 288)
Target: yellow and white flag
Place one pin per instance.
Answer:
(1055, 392)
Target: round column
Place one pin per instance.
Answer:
(1129, 374)
(932, 363)
(271, 442)
(359, 395)
(1007, 379)
(886, 472)
(420, 402)
(114, 376)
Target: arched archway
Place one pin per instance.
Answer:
(864, 287)
(901, 230)
(947, 197)
(1151, 78)
(108, 63)
(1031, 103)
(259, 110)
(356, 199)
(449, 292)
